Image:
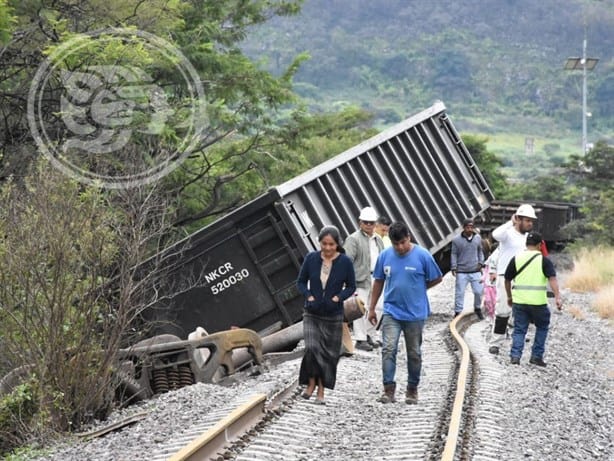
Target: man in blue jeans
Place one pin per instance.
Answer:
(403, 272)
(530, 271)
(466, 263)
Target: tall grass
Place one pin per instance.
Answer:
(594, 272)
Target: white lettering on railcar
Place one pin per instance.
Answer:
(219, 272)
(229, 281)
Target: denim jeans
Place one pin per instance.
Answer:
(477, 287)
(523, 315)
(391, 332)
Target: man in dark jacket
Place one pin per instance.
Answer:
(466, 263)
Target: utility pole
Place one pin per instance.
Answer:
(585, 64)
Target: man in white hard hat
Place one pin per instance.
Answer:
(512, 237)
(363, 248)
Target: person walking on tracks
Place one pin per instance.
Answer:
(404, 273)
(363, 247)
(530, 273)
(466, 264)
(512, 237)
(382, 225)
(489, 279)
(326, 279)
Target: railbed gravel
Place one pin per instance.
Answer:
(561, 412)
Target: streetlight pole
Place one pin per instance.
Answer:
(585, 64)
(584, 136)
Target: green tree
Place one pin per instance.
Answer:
(488, 163)
(603, 219)
(595, 170)
(604, 93)
(245, 107)
(39, 27)
(302, 141)
(593, 176)
(69, 251)
(6, 20)
(239, 109)
(552, 187)
(451, 74)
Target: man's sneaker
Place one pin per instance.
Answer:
(538, 361)
(478, 312)
(411, 396)
(493, 349)
(515, 360)
(456, 314)
(363, 346)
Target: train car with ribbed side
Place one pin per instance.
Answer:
(240, 270)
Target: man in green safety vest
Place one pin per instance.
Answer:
(530, 272)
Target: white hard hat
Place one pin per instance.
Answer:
(527, 211)
(368, 214)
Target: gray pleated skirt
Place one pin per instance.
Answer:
(322, 336)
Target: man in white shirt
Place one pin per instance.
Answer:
(512, 237)
(363, 247)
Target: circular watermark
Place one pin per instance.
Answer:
(118, 108)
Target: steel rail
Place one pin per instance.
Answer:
(214, 443)
(229, 428)
(460, 322)
(113, 427)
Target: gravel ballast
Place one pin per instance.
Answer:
(564, 411)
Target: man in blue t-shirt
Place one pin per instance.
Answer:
(403, 272)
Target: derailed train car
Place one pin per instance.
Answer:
(240, 271)
(552, 217)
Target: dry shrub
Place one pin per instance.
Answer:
(68, 297)
(593, 268)
(594, 272)
(603, 302)
(575, 312)
(57, 249)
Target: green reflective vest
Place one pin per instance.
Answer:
(530, 285)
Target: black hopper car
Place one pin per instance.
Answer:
(244, 265)
(552, 217)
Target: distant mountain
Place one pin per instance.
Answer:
(496, 64)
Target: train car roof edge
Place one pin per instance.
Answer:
(342, 158)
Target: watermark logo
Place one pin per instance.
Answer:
(117, 108)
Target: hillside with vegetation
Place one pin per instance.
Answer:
(496, 64)
(284, 89)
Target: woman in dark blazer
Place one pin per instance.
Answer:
(326, 280)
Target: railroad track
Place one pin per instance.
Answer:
(352, 424)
